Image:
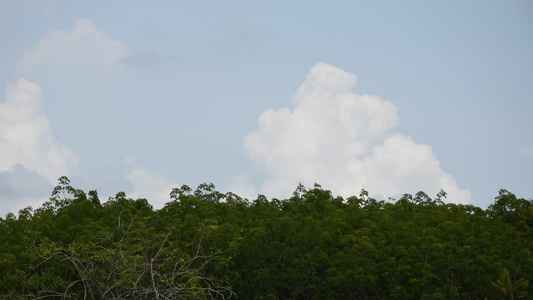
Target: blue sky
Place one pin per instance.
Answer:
(390, 96)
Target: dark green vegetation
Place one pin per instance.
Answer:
(205, 244)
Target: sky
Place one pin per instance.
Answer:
(256, 97)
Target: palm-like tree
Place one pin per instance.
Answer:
(507, 288)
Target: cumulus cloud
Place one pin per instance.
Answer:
(29, 153)
(26, 138)
(344, 141)
(147, 184)
(84, 43)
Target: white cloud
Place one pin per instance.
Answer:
(31, 159)
(84, 43)
(345, 142)
(242, 185)
(26, 138)
(399, 165)
(147, 184)
(526, 151)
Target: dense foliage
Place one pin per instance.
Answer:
(206, 244)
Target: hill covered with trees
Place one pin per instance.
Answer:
(206, 244)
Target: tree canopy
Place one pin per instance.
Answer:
(204, 244)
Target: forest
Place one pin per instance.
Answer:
(204, 244)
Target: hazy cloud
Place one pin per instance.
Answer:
(526, 151)
(84, 43)
(243, 186)
(344, 141)
(147, 184)
(243, 33)
(6, 6)
(20, 187)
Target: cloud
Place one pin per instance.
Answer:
(31, 159)
(26, 138)
(243, 186)
(400, 165)
(527, 151)
(243, 34)
(20, 187)
(84, 43)
(343, 141)
(147, 184)
(6, 6)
